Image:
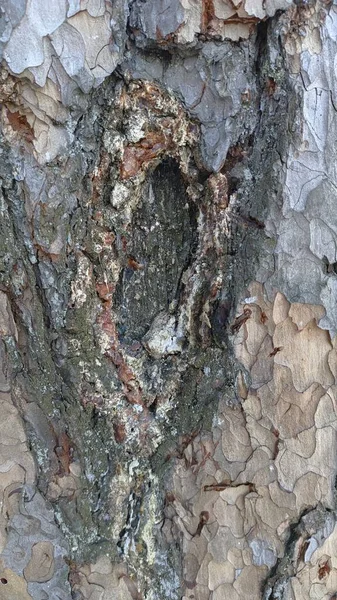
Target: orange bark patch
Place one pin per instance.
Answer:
(20, 124)
(119, 432)
(146, 150)
(324, 570)
(63, 452)
(133, 264)
(207, 14)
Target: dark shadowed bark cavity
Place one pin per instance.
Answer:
(160, 246)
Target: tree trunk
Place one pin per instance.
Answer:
(168, 300)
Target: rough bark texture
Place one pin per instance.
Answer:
(168, 291)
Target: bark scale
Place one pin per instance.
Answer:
(168, 300)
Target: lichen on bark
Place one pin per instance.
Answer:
(167, 311)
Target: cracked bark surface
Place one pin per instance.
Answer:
(168, 300)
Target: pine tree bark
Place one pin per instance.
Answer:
(168, 292)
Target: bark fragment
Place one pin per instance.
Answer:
(167, 302)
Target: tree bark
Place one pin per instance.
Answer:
(168, 302)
